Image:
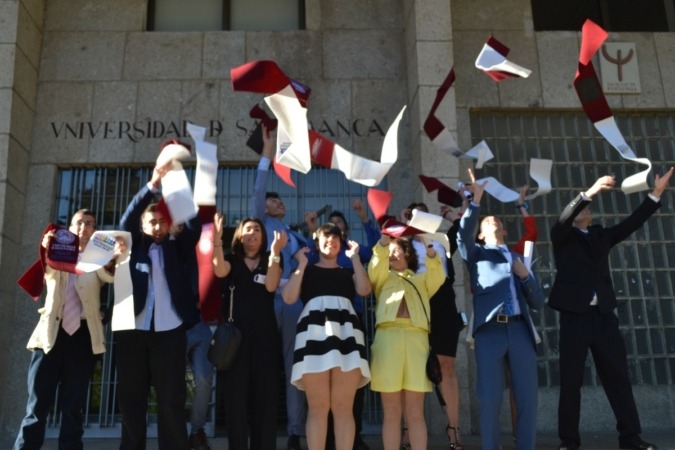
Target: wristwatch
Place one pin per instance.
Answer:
(276, 259)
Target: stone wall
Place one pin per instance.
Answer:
(21, 27)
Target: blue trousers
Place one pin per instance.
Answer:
(497, 344)
(71, 363)
(287, 320)
(198, 339)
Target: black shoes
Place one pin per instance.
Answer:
(293, 442)
(198, 440)
(568, 445)
(636, 443)
(360, 444)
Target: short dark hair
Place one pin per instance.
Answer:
(341, 216)
(329, 228)
(85, 212)
(418, 205)
(271, 194)
(151, 208)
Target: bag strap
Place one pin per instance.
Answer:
(231, 319)
(420, 297)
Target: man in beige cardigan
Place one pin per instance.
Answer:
(64, 351)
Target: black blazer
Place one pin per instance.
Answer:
(177, 252)
(582, 260)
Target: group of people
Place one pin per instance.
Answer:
(298, 303)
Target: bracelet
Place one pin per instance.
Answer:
(523, 205)
(217, 245)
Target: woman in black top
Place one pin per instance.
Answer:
(250, 275)
(329, 362)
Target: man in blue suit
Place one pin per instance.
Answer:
(503, 289)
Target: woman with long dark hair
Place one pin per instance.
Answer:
(250, 275)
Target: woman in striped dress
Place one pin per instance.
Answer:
(329, 362)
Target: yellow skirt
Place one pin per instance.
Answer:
(398, 358)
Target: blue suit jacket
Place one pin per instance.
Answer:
(177, 256)
(490, 275)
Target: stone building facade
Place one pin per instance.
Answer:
(84, 84)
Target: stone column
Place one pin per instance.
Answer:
(21, 27)
(429, 57)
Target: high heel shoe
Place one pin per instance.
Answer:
(454, 443)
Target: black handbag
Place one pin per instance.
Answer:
(225, 341)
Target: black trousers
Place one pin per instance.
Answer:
(156, 358)
(252, 390)
(599, 333)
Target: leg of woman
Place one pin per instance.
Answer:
(414, 417)
(343, 387)
(392, 407)
(450, 391)
(317, 390)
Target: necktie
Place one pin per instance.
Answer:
(72, 308)
(507, 307)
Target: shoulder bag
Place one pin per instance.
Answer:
(225, 341)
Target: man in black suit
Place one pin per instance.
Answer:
(164, 307)
(584, 295)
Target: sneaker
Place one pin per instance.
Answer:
(360, 444)
(293, 442)
(198, 440)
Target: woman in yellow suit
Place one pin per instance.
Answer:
(401, 344)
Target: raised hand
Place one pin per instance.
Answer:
(311, 220)
(279, 242)
(476, 189)
(520, 269)
(353, 249)
(218, 227)
(605, 183)
(268, 143)
(360, 209)
(661, 182)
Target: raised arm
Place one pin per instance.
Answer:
(563, 226)
(260, 186)
(274, 269)
(468, 224)
(291, 292)
(221, 267)
(361, 281)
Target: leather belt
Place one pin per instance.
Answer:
(503, 318)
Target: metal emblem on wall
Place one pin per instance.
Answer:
(619, 68)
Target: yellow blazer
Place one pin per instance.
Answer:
(390, 288)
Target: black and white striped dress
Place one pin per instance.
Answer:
(329, 333)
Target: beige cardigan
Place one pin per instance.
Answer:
(89, 289)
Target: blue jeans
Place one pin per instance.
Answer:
(287, 321)
(198, 338)
(71, 363)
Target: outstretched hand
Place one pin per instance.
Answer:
(279, 242)
(353, 249)
(520, 269)
(661, 182)
(605, 183)
(476, 189)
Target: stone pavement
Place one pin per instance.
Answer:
(591, 441)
